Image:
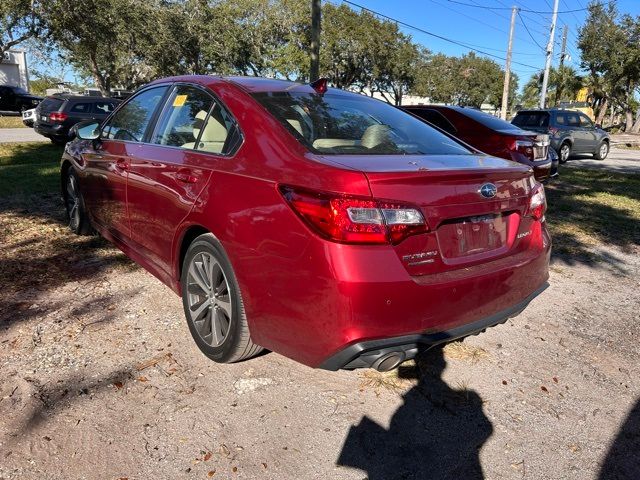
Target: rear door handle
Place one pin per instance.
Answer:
(185, 176)
(122, 164)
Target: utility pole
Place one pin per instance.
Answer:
(547, 65)
(314, 70)
(507, 68)
(565, 29)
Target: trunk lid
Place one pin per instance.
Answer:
(474, 205)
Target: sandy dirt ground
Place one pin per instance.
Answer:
(100, 379)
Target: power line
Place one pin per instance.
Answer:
(509, 8)
(527, 29)
(435, 35)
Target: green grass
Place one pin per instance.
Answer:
(12, 122)
(588, 208)
(29, 168)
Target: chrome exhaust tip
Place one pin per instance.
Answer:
(389, 361)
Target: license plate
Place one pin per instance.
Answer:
(473, 235)
(43, 118)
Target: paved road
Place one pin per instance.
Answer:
(8, 135)
(619, 160)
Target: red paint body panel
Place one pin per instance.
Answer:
(304, 296)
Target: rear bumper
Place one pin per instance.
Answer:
(58, 132)
(368, 353)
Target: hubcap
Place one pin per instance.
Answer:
(73, 203)
(209, 299)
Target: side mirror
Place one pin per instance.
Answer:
(87, 130)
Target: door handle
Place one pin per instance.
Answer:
(122, 164)
(185, 176)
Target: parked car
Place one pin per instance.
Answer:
(493, 136)
(16, 99)
(59, 112)
(28, 117)
(571, 132)
(320, 224)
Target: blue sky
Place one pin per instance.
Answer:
(488, 29)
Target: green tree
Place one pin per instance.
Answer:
(609, 45)
(20, 20)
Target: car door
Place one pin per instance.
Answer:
(77, 111)
(589, 133)
(104, 177)
(573, 125)
(168, 174)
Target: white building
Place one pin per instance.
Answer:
(13, 69)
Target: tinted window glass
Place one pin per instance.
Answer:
(561, 119)
(183, 117)
(50, 104)
(81, 108)
(573, 120)
(531, 119)
(436, 118)
(353, 124)
(585, 121)
(131, 121)
(19, 91)
(486, 119)
(104, 107)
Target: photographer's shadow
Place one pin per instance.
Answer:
(436, 434)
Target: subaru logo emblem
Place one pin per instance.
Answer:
(488, 190)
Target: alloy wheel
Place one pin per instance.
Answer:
(604, 149)
(208, 298)
(564, 152)
(73, 203)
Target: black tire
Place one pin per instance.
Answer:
(565, 152)
(57, 141)
(233, 344)
(77, 217)
(602, 151)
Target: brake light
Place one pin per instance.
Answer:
(525, 147)
(537, 202)
(58, 116)
(320, 86)
(346, 219)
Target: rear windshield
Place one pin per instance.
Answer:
(50, 104)
(339, 124)
(486, 119)
(531, 119)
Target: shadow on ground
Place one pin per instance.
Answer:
(623, 459)
(436, 434)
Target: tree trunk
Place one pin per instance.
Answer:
(100, 80)
(602, 111)
(636, 125)
(629, 117)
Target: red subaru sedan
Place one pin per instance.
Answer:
(321, 224)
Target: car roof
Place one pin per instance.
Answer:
(249, 84)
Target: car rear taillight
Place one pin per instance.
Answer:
(525, 147)
(58, 116)
(347, 219)
(537, 202)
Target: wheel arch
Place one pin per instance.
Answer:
(186, 238)
(64, 170)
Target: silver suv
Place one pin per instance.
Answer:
(570, 132)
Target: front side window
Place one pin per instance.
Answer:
(351, 124)
(585, 121)
(131, 121)
(193, 119)
(104, 107)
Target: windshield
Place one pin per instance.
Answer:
(352, 124)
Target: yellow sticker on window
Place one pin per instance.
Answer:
(179, 101)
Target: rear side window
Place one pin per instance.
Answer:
(342, 124)
(531, 119)
(131, 121)
(104, 107)
(561, 119)
(51, 104)
(435, 118)
(81, 108)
